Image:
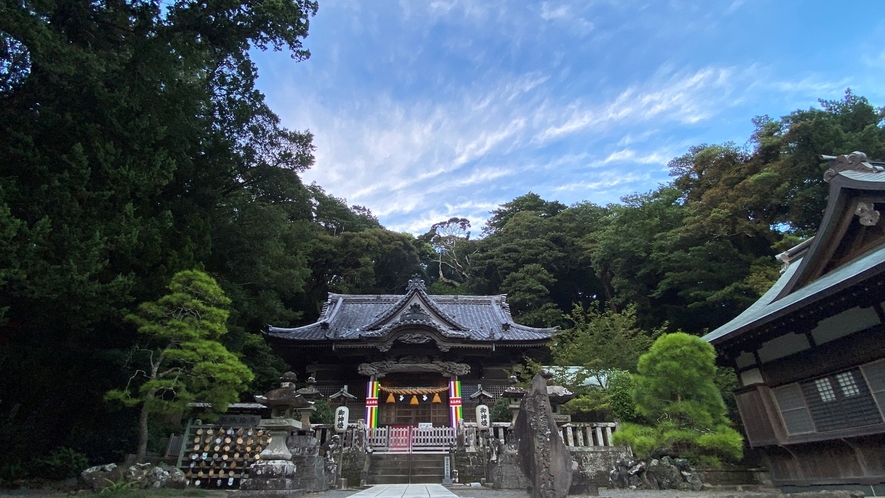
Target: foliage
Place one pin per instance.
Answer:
(684, 414)
(620, 392)
(117, 488)
(450, 243)
(185, 361)
(500, 412)
(324, 413)
(600, 345)
(133, 144)
(61, 463)
(602, 340)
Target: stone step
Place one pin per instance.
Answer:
(405, 468)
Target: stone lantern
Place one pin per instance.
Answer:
(274, 471)
(559, 395)
(515, 394)
(311, 394)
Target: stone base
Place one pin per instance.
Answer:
(270, 493)
(273, 475)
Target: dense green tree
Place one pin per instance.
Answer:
(181, 360)
(530, 202)
(131, 139)
(588, 355)
(684, 414)
(536, 257)
(621, 251)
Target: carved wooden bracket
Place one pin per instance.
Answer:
(413, 364)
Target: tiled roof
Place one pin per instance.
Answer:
(768, 308)
(471, 318)
(847, 175)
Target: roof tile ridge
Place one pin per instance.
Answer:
(435, 307)
(326, 304)
(392, 310)
(856, 161)
(339, 303)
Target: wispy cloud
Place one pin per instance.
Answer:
(423, 111)
(630, 155)
(687, 98)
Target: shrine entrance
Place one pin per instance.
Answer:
(414, 400)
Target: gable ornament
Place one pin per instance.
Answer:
(867, 214)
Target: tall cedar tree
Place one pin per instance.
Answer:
(134, 144)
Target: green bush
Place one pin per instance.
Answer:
(323, 414)
(61, 463)
(675, 391)
(620, 387)
(501, 411)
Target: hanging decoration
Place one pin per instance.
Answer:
(390, 398)
(436, 398)
(414, 400)
(414, 391)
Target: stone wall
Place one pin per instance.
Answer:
(501, 467)
(309, 463)
(354, 464)
(472, 466)
(594, 464)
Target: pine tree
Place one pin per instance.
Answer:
(185, 361)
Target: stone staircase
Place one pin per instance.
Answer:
(405, 468)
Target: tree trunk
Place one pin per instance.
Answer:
(142, 434)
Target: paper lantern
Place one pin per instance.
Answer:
(414, 400)
(436, 398)
(390, 398)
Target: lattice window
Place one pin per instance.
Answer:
(848, 385)
(825, 390)
(849, 405)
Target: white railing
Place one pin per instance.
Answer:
(588, 435)
(411, 439)
(432, 439)
(574, 434)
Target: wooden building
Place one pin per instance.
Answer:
(810, 353)
(412, 359)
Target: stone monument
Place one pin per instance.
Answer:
(543, 457)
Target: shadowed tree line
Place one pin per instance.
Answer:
(134, 145)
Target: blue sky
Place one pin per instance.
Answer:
(424, 110)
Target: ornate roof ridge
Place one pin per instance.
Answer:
(415, 288)
(856, 161)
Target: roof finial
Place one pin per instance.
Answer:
(856, 161)
(416, 282)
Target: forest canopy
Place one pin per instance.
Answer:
(134, 145)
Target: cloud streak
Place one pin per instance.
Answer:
(452, 107)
